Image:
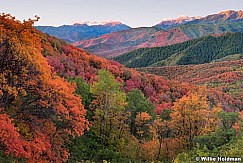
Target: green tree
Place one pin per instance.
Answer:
(223, 134)
(109, 102)
(106, 137)
(137, 103)
(83, 90)
(232, 149)
(228, 119)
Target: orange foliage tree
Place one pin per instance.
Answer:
(39, 110)
(192, 116)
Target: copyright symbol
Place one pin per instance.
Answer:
(197, 159)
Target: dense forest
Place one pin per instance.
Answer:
(198, 51)
(61, 104)
(226, 76)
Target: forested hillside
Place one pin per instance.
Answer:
(198, 51)
(61, 104)
(168, 33)
(226, 76)
(199, 30)
(39, 111)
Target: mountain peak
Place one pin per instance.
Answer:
(104, 23)
(229, 12)
(228, 15)
(167, 23)
(181, 18)
(225, 16)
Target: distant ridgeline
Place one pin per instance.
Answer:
(83, 31)
(114, 38)
(198, 51)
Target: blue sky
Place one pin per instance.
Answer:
(134, 13)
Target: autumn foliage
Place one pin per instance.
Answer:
(39, 110)
(130, 116)
(192, 116)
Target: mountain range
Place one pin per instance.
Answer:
(116, 43)
(226, 16)
(112, 39)
(82, 31)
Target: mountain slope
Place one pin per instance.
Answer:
(38, 109)
(78, 32)
(41, 112)
(227, 75)
(170, 23)
(194, 31)
(124, 41)
(203, 50)
(119, 42)
(42, 115)
(72, 62)
(222, 17)
(219, 18)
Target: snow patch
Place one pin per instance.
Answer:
(99, 23)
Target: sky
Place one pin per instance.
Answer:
(135, 13)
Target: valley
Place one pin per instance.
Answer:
(107, 92)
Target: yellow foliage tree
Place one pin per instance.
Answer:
(192, 116)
